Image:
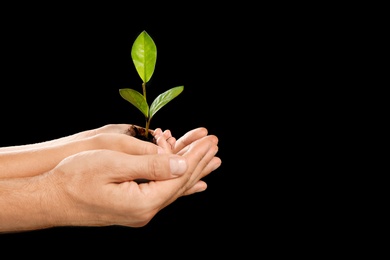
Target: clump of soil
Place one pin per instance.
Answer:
(139, 132)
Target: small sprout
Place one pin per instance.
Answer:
(144, 56)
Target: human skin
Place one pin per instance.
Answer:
(34, 159)
(98, 188)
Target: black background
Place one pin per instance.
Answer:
(61, 72)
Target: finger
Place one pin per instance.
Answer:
(161, 139)
(204, 162)
(172, 142)
(189, 138)
(157, 132)
(197, 156)
(162, 142)
(170, 139)
(214, 164)
(201, 185)
(122, 167)
(125, 143)
(109, 128)
(211, 138)
(167, 133)
(198, 187)
(114, 128)
(165, 140)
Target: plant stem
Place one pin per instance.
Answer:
(147, 127)
(144, 89)
(147, 118)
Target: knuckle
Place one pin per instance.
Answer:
(148, 148)
(158, 166)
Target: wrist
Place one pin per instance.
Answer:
(21, 195)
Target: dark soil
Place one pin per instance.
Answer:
(139, 132)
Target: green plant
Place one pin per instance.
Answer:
(144, 56)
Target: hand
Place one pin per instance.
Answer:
(98, 188)
(169, 143)
(106, 129)
(34, 159)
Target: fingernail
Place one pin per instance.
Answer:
(178, 165)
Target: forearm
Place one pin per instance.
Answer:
(24, 205)
(111, 128)
(34, 161)
(45, 144)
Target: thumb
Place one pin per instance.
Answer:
(149, 167)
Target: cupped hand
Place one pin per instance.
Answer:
(35, 159)
(170, 144)
(98, 188)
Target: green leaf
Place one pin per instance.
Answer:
(164, 98)
(135, 98)
(144, 55)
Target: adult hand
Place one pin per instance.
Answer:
(98, 187)
(34, 159)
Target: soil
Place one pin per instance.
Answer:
(139, 132)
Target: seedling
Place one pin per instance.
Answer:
(144, 56)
